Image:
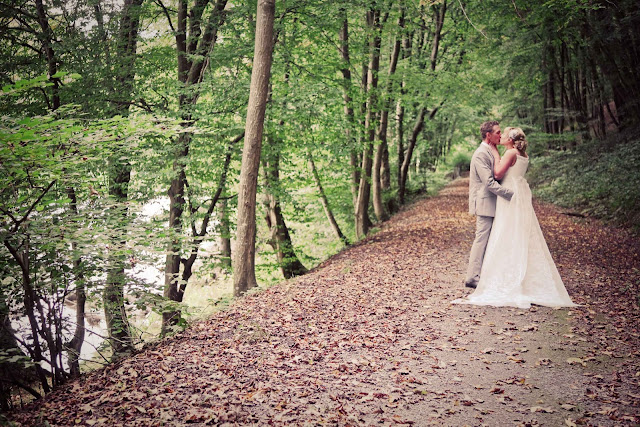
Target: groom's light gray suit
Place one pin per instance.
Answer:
(483, 192)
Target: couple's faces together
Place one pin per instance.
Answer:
(496, 137)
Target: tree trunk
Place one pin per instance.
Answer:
(348, 104)
(21, 256)
(225, 236)
(325, 203)
(597, 100)
(74, 346)
(553, 122)
(52, 62)
(562, 73)
(113, 294)
(404, 168)
(244, 276)
(174, 249)
(356, 156)
(406, 48)
(12, 374)
(119, 177)
(385, 169)
(615, 49)
(439, 13)
(193, 49)
(364, 191)
(382, 147)
(174, 288)
(126, 52)
(400, 137)
(279, 237)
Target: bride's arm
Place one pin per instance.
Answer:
(502, 165)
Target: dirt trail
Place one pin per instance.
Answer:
(370, 338)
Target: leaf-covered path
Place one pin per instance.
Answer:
(370, 338)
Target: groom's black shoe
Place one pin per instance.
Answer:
(473, 284)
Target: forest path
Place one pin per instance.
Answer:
(370, 338)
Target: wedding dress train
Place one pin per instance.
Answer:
(518, 270)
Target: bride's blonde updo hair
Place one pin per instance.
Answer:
(519, 139)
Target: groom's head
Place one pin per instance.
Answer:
(490, 132)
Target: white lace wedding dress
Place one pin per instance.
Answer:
(518, 270)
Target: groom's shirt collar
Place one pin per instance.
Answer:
(485, 144)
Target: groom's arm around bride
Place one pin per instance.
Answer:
(483, 192)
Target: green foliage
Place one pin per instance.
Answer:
(14, 358)
(592, 182)
(461, 161)
(57, 221)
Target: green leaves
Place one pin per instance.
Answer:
(13, 357)
(38, 82)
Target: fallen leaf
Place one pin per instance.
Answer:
(547, 410)
(607, 410)
(576, 361)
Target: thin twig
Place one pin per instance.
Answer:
(142, 104)
(166, 13)
(9, 214)
(517, 11)
(465, 15)
(32, 207)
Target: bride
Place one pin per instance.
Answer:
(518, 269)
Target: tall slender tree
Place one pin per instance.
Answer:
(195, 38)
(119, 180)
(364, 190)
(439, 12)
(382, 147)
(347, 89)
(244, 275)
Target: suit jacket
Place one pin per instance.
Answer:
(483, 188)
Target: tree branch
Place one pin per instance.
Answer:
(223, 179)
(466, 16)
(9, 214)
(192, 208)
(140, 103)
(166, 13)
(23, 386)
(208, 41)
(33, 206)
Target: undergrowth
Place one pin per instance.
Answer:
(599, 179)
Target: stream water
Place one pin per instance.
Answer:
(149, 271)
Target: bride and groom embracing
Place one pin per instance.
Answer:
(509, 263)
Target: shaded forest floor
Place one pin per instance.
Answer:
(370, 338)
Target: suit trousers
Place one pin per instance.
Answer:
(483, 229)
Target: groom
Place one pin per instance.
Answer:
(483, 192)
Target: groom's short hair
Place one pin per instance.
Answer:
(487, 127)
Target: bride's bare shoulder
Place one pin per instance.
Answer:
(516, 152)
